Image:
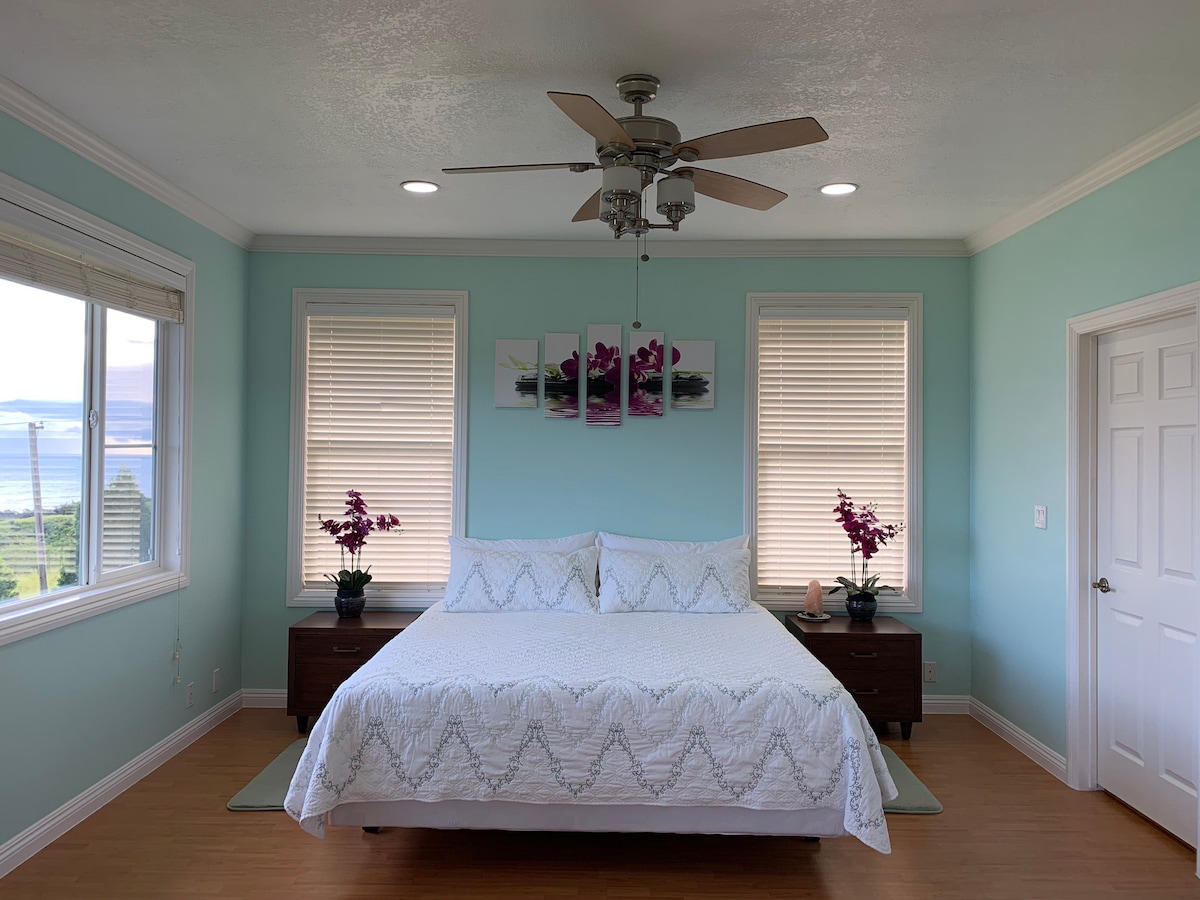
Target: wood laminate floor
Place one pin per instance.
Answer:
(1010, 830)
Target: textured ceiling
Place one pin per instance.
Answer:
(303, 116)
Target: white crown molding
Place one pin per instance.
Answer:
(668, 249)
(1052, 762)
(40, 116)
(1175, 133)
(44, 832)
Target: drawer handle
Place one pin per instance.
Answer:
(872, 691)
(346, 649)
(863, 655)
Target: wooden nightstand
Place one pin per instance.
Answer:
(323, 651)
(879, 662)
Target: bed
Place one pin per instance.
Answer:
(639, 721)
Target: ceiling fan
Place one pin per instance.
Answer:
(634, 150)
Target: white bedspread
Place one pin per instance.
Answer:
(655, 708)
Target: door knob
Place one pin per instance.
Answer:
(1102, 585)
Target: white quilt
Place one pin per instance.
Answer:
(657, 708)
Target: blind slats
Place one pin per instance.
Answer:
(69, 274)
(379, 419)
(832, 398)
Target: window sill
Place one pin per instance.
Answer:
(415, 599)
(791, 602)
(69, 607)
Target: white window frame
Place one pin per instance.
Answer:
(315, 301)
(843, 306)
(45, 216)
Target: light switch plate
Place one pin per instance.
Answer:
(1039, 517)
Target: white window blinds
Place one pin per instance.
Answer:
(379, 419)
(831, 414)
(38, 262)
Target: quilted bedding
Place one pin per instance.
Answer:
(652, 708)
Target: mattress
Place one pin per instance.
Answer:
(645, 709)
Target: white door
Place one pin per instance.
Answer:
(1147, 534)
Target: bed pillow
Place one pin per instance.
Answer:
(563, 544)
(521, 581)
(716, 582)
(651, 545)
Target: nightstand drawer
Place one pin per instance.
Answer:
(879, 692)
(340, 650)
(839, 653)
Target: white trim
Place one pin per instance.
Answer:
(662, 249)
(946, 705)
(1162, 140)
(1082, 332)
(41, 116)
(302, 300)
(911, 602)
(1052, 762)
(264, 698)
(44, 832)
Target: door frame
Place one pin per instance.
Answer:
(1082, 334)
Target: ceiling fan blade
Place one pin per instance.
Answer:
(590, 209)
(734, 190)
(756, 139)
(480, 170)
(592, 118)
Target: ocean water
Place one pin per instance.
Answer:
(61, 476)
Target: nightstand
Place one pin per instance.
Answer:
(879, 662)
(324, 650)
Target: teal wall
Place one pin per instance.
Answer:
(1134, 237)
(680, 476)
(79, 702)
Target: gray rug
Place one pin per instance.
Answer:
(269, 786)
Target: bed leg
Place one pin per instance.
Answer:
(809, 839)
(371, 829)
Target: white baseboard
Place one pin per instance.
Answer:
(1052, 762)
(44, 832)
(264, 698)
(946, 705)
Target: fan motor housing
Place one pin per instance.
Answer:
(652, 134)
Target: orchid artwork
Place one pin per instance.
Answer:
(604, 375)
(350, 534)
(560, 376)
(647, 362)
(692, 374)
(867, 536)
(516, 374)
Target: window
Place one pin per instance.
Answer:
(92, 412)
(379, 406)
(834, 383)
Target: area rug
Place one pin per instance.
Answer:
(269, 786)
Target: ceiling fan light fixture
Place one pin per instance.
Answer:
(420, 187)
(839, 189)
(676, 197)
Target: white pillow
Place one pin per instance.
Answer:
(651, 545)
(562, 545)
(521, 581)
(675, 582)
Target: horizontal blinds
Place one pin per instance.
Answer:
(71, 273)
(831, 415)
(379, 419)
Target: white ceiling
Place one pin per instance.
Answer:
(303, 116)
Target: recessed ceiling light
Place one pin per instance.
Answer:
(419, 187)
(839, 188)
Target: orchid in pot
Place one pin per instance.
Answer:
(867, 535)
(350, 535)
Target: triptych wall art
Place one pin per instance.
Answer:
(604, 376)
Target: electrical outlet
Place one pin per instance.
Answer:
(930, 669)
(191, 691)
(216, 680)
(1039, 517)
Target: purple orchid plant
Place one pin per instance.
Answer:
(350, 535)
(867, 535)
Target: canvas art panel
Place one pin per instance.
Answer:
(516, 374)
(560, 376)
(693, 374)
(647, 358)
(604, 375)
